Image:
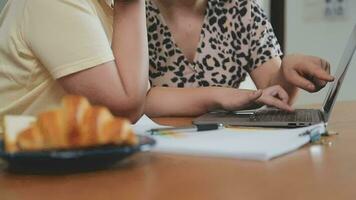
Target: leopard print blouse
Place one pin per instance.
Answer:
(236, 38)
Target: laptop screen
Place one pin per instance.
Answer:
(340, 75)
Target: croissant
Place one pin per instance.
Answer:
(76, 124)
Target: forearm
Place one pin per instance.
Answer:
(162, 101)
(130, 47)
(270, 74)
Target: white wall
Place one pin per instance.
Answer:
(266, 6)
(309, 31)
(2, 3)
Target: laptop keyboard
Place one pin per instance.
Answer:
(283, 116)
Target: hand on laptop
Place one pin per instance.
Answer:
(275, 96)
(232, 99)
(307, 72)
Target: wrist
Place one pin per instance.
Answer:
(282, 80)
(232, 99)
(213, 98)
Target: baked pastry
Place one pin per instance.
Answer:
(76, 124)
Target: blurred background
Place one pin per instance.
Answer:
(2, 3)
(314, 27)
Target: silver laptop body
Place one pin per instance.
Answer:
(271, 117)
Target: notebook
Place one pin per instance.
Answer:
(239, 143)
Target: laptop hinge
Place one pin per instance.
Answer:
(322, 115)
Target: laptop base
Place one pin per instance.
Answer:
(264, 118)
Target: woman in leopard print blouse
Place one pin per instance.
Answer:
(201, 50)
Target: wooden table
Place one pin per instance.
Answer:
(314, 172)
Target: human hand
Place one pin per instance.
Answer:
(234, 99)
(237, 99)
(307, 72)
(275, 96)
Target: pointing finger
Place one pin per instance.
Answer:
(296, 79)
(320, 71)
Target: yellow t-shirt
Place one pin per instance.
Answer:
(43, 40)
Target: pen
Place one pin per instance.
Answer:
(193, 128)
(314, 134)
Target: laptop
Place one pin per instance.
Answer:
(272, 117)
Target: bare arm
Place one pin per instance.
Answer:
(295, 71)
(196, 101)
(120, 85)
(163, 101)
(270, 74)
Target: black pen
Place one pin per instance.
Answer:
(193, 128)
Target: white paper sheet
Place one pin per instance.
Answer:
(252, 144)
(145, 124)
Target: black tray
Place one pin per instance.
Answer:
(72, 160)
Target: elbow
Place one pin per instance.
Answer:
(134, 117)
(130, 108)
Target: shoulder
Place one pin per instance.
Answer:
(39, 14)
(59, 6)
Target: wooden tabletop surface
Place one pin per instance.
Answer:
(313, 172)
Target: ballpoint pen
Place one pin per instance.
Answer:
(185, 129)
(314, 134)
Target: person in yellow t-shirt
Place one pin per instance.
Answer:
(94, 48)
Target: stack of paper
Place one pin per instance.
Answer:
(253, 144)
